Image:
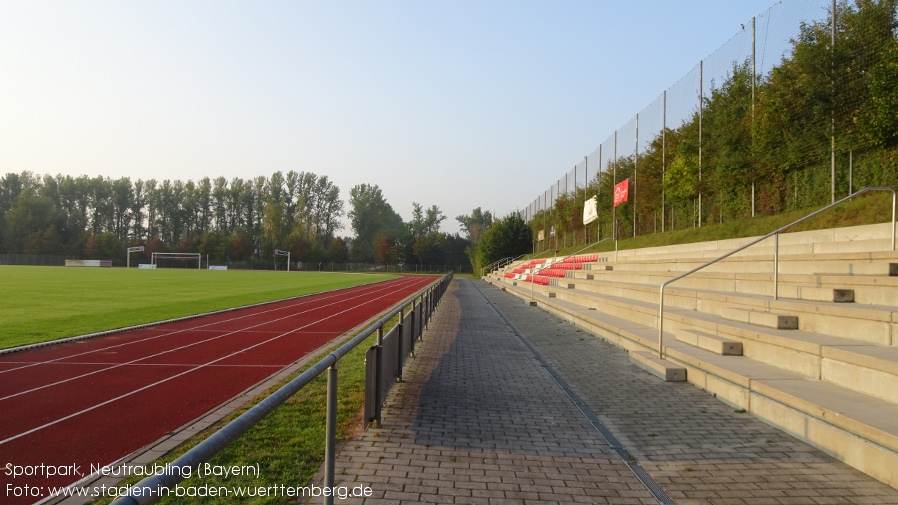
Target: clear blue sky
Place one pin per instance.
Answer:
(459, 104)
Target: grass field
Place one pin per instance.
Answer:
(47, 303)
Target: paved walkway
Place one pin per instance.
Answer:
(506, 404)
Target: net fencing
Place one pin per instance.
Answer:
(795, 110)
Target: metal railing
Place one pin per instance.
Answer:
(499, 264)
(537, 270)
(774, 234)
(148, 490)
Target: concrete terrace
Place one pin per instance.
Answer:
(507, 404)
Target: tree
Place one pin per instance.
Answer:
(338, 251)
(104, 246)
(372, 219)
(122, 207)
(29, 214)
(275, 226)
(508, 237)
(475, 224)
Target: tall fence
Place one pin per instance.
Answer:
(797, 109)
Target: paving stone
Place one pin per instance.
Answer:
(477, 419)
(477, 405)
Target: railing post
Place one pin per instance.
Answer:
(378, 376)
(661, 323)
(776, 266)
(330, 448)
(399, 351)
(894, 201)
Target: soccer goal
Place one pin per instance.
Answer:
(158, 258)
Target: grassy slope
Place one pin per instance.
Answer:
(46, 303)
(875, 207)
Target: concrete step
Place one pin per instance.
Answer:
(856, 428)
(860, 429)
(708, 342)
(765, 319)
(871, 323)
(868, 289)
(661, 368)
(810, 354)
(827, 295)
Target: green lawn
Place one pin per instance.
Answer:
(38, 304)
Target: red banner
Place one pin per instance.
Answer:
(621, 191)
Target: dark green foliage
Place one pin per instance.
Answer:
(508, 237)
(780, 146)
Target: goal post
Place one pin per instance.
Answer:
(278, 252)
(178, 256)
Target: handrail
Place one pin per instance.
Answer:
(537, 270)
(496, 264)
(148, 490)
(774, 234)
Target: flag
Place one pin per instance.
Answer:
(621, 190)
(542, 235)
(590, 211)
(552, 231)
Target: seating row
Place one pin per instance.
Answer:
(809, 345)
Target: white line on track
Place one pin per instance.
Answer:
(88, 363)
(302, 301)
(148, 386)
(119, 365)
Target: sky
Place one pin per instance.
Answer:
(459, 104)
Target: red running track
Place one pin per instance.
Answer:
(94, 401)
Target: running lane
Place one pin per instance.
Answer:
(91, 402)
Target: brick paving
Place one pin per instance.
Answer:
(478, 420)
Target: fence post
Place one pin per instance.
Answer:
(330, 449)
(401, 337)
(378, 376)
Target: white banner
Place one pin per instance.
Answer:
(590, 210)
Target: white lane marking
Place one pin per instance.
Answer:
(148, 386)
(119, 365)
(170, 333)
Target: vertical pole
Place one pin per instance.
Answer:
(613, 183)
(776, 266)
(635, 168)
(585, 184)
(598, 191)
(753, 79)
(851, 172)
(832, 113)
(378, 375)
(663, 153)
(330, 454)
(701, 106)
(661, 323)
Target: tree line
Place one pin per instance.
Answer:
(237, 220)
(767, 152)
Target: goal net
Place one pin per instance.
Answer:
(177, 260)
